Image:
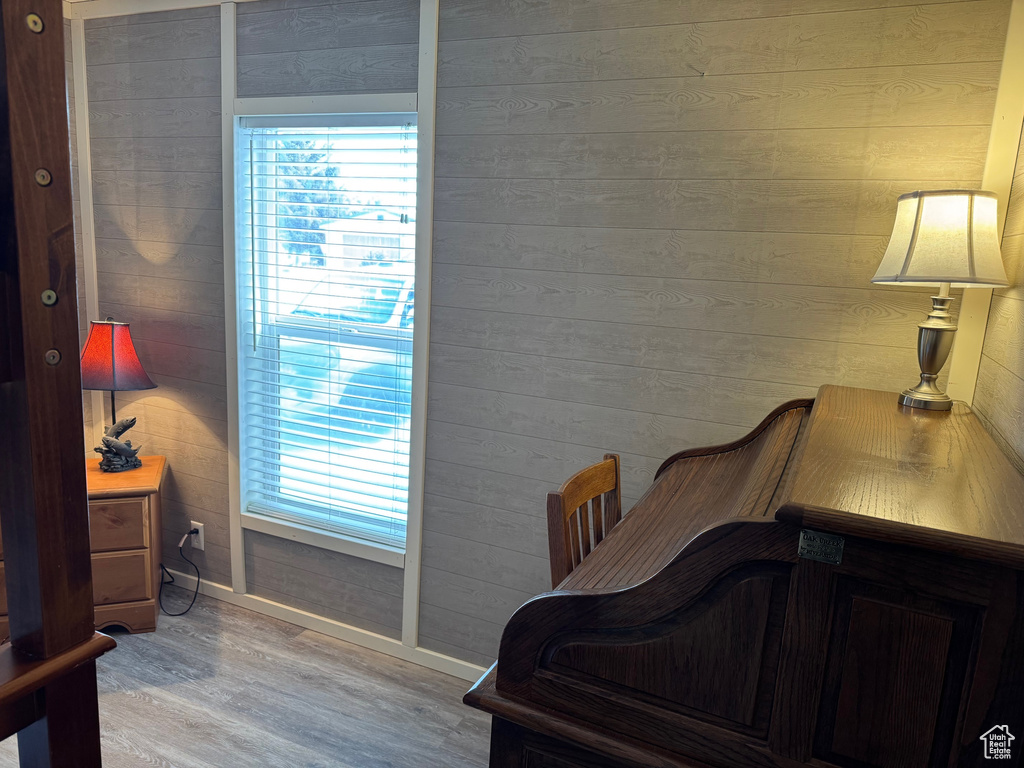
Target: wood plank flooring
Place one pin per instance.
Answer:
(223, 687)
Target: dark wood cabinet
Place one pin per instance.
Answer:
(843, 587)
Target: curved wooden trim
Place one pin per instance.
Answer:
(675, 618)
(589, 482)
(701, 563)
(565, 703)
(736, 444)
(22, 675)
(132, 629)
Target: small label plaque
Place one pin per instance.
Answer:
(823, 547)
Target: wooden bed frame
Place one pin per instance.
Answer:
(48, 670)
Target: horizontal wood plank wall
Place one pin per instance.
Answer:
(288, 48)
(348, 589)
(301, 47)
(154, 109)
(653, 223)
(1000, 395)
(76, 205)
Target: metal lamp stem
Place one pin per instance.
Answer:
(113, 413)
(934, 341)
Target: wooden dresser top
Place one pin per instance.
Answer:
(859, 465)
(869, 466)
(134, 482)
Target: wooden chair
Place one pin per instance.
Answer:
(573, 529)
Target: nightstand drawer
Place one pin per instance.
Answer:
(117, 578)
(124, 538)
(117, 524)
(121, 577)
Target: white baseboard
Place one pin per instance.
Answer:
(371, 640)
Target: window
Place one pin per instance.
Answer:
(325, 265)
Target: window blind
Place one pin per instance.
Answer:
(326, 261)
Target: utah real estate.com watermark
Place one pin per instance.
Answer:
(997, 742)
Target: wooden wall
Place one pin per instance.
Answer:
(154, 111)
(653, 223)
(154, 89)
(306, 47)
(999, 398)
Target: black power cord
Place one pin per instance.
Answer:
(160, 593)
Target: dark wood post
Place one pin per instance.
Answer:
(43, 503)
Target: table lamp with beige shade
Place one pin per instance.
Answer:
(945, 238)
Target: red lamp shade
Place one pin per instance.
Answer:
(109, 360)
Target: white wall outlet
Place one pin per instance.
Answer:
(198, 542)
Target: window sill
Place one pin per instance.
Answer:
(314, 537)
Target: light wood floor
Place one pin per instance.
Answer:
(222, 687)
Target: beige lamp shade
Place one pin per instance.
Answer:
(946, 236)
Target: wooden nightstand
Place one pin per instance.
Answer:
(124, 530)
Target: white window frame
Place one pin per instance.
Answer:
(321, 109)
(423, 102)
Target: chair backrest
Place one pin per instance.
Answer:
(576, 521)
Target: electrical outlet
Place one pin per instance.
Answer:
(198, 541)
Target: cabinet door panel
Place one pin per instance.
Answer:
(898, 672)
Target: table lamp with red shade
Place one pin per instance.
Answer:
(110, 362)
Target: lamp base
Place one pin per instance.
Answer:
(930, 402)
(934, 340)
(114, 463)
